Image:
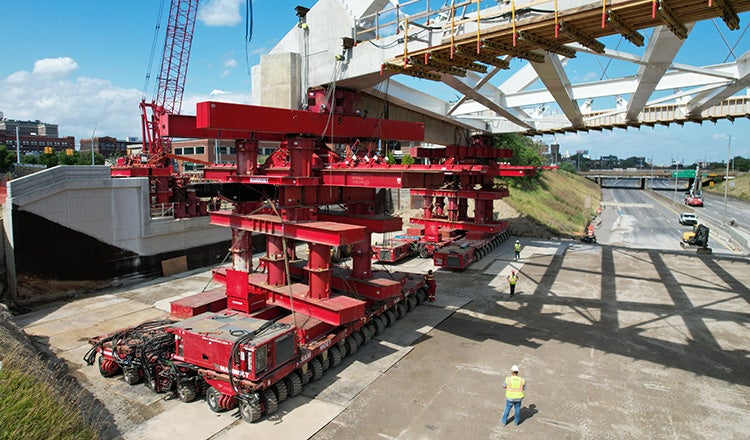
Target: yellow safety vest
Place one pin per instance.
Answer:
(512, 279)
(518, 247)
(514, 387)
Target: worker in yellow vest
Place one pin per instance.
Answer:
(517, 250)
(514, 387)
(512, 280)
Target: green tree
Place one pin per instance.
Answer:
(49, 160)
(7, 159)
(407, 159)
(390, 158)
(569, 167)
(525, 151)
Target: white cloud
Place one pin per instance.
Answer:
(77, 104)
(231, 63)
(55, 66)
(221, 13)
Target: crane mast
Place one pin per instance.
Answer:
(171, 81)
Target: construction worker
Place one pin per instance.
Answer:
(512, 280)
(431, 285)
(517, 249)
(514, 387)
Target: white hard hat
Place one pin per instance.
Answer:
(514, 368)
(517, 241)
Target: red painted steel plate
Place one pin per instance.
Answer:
(240, 117)
(328, 233)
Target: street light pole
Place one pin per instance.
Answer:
(92, 144)
(676, 172)
(18, 144)
(726, 182)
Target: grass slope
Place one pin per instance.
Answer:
(741, 188)
(560, 201)
(37, 399)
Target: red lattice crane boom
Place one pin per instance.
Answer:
(174, 65)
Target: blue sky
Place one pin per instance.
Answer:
(82, 64)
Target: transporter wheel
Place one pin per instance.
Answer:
(186, 392)
(131, 376)
(401, 308)
(380, 323)
(351, 345)
(371, 326)
(411, 302)
(305, 377)
(317, 369)
(212, 399)
(325, 361)
(422, 293)
(358, 338)
(281, 391)
(366, 335)
(250, 412)
(335, 355)
(424, 252)
(418, 296)
(293, 384)
(390, 316)
(108, 367)
(269, 401)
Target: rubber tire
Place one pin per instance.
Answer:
(401, 307)
(335, 355)
(380, 324)
(293, 384)
(186, 392)
(250, 412)
(305, 377)
(390, 315)
(269, 401)
(411, 303)
(317, 369)
(424, 252)
(130, 377)
(351, 346)
(371, 326)
(366, 335)
(282, 392)
(358, 338)
(326, 362)
(212, 399)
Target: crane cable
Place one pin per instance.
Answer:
(248, 32)
(157, 32)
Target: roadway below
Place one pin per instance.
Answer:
(649, 219)
(614, 342)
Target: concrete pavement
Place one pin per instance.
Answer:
(613, 342)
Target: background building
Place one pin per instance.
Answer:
(34, 136)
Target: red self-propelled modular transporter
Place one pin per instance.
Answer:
(446, 232)
(272, 330)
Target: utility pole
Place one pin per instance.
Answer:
(726, 182)
(676, 172)
(92, 144)
(18, 143)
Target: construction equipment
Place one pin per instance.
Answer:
(697, 237)
(272, 330)
(166, 188)
(695, 196)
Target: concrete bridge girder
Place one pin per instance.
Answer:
(484, 105)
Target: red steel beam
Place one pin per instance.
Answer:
(379, 224)
(464, 226)
(328, 233)
(465, 194)
(251, 118)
